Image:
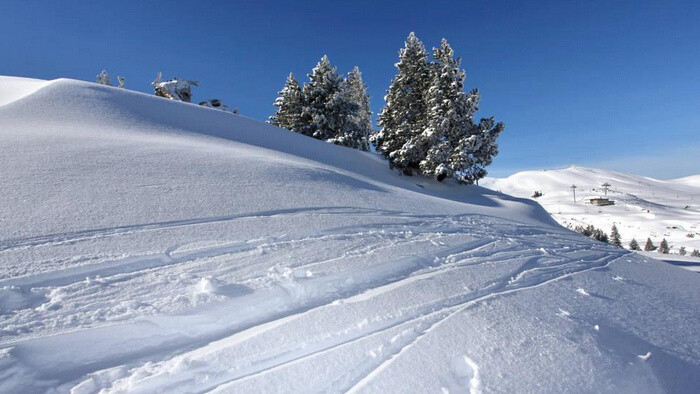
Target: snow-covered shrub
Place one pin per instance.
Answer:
(103, 78)
(216, 104)
(681, 251)
(696, 253)
(174, 89)
(122, 82)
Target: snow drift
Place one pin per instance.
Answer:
(148, 245)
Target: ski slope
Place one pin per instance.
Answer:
(644, 207)
(151, 246)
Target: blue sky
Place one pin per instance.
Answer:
(612, 84)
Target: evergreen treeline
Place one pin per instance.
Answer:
(427, 124)
(329, 107)
(592, 232)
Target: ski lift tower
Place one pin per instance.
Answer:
(573, 188)
(606, 185)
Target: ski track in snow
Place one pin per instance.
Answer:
(537, 267)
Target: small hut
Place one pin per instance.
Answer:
(600, 201)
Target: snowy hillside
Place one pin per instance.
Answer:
(150, 246)
(644, 207)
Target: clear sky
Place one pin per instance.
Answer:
(612, 84)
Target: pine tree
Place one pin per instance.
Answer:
(649, 246)
(682, 251)
(358, 129)
(448, 119)
(342, 111)
(405, 114)
(429, 125)
(600, 235)
(122, 82)
(476, 151)
(318, 116)
(615, 236)
(663, 247)
(103, 78)
(634, 245)
(696, 253)
(290, 104)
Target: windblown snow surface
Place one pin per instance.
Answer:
(644, 207)
(156, 246)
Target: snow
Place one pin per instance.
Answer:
(644, 207)
(12, 89)
(150, 245)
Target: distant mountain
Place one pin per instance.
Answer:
(643, 207)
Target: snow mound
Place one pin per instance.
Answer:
(150, 245)
(14, 88)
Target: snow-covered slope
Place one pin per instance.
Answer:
(644, 207)
(156, 246)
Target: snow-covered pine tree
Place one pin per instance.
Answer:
(317, 115)
(663, 247)
(448, 117)
(634, 245)
(452, 144)
(615, 236)
(290, 104)
(122, 82)
(103, 78)
(681, 251)
(359, 127)
(405, 113)
(649, 246)
(475, 151)
(342, 110)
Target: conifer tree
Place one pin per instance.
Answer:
(359, 128)
(430, 125)
(103, 78)
(289, 105)
(476, 151)
(634, 245)
(649, 246)
(122, 82)
(615, 236)
(341, 111)
(317, 114)
(404, 115)
(663, 247)
(448, 119)
(696, 253)
(681, 251)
